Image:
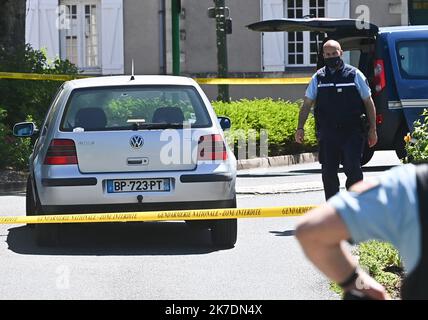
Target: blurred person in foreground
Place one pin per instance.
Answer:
(393, 208)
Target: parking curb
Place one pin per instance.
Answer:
(12, 186)
(278, 161)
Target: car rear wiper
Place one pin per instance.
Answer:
(171, 125)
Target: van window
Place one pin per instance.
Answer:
(412, 59)
(134, 107)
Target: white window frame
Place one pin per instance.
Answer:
(81, 45)
(306, 37)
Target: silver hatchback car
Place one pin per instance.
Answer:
(126, 143)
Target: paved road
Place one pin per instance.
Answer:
(166, 260)
(303, 177)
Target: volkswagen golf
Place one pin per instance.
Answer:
(125, 143)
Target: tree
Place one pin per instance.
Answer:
(12, 24)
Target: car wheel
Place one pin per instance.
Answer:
(224, 232)
(46, 235)
(367, 154)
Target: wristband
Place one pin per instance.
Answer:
(350, 280)
(300, 129)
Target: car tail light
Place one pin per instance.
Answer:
(379, 76)
(379, 118)
(60, 152)
(211, 147)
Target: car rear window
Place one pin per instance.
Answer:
(412, 59)
(136, 107)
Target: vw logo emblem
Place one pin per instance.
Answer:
(136, 142)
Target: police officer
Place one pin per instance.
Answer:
(393, 208)
(341, 96)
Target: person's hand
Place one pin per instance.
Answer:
(300, 135)
(372, 137)
(369, 287)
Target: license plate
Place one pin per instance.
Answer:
(138, 185)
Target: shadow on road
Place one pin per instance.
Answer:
(148, 238)
(286, 233)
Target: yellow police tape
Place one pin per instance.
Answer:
(37, 76)
(252, 81)
(205, 81)
(206, 214)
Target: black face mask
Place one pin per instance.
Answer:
(333, 63)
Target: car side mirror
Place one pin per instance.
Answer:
(25, 129)
(224, 122)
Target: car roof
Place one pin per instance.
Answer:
(126, 81)
(403, 29)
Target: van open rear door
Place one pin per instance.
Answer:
(335, 28)
(410, 67)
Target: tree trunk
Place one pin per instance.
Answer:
(12, 23)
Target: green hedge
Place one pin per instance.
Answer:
(278, 117)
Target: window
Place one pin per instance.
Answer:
(80, 38)
(123, 108)
(301, 47)
(412, 59)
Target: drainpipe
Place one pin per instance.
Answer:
(221, 37)
(175, 14)
(162, 38)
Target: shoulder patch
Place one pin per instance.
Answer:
(364, 186)
(321, 71)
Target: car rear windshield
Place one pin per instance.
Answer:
(412, 57)
(134, 108)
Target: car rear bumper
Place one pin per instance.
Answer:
(126, 207)
(66, 186)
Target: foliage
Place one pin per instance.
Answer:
(417, 143)
(382, 261)
(22, 100)
(119, 110)
(278, 117)
(28, 97)
(14, 151)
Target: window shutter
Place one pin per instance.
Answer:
(338, 9)
(273, 43)
(41, 26)
(112, 37)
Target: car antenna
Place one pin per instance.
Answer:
(132, 70)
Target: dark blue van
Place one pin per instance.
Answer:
(395, 61)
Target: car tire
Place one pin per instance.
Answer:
(224, 232)
(31, 203)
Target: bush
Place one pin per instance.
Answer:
(278, 117)
(15, 152)
(382, 261)
(417, 143)
(21, 100)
